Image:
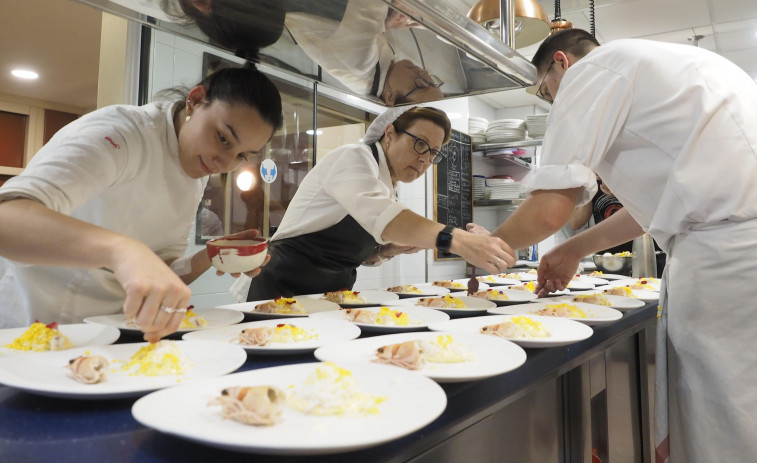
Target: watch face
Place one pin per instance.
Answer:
(444, 239)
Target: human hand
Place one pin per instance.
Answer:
(556, 270)
(390, 250)
(477, 229)
(152, 288)
(249, 234)
(483, 251)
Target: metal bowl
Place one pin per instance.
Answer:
(613, 264)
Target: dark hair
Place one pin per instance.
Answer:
(243, 26)
(245, 85)
(577, 42)
(436, 116)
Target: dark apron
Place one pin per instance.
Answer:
(326, 260)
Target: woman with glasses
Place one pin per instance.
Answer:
(346, 214)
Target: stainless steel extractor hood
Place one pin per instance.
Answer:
(390, 52)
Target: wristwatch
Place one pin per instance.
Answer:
(444, 238)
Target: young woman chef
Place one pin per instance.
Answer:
(345, 212)
(95, 220)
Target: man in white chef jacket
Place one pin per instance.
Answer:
(672, 130)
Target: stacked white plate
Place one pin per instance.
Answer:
(479, 187)
(505, 130)
(498, 188)
(536, 125)
(477, 129)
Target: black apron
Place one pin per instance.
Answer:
(326, 260)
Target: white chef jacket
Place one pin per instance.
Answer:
(350, 49)
(669, 128)
(118, 168)
(346, 181)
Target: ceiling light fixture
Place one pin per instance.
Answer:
(24, 74)
(559, 24)
(531, 23)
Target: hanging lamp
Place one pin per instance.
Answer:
(531, 21)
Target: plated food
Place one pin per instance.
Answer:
(194, 319)
(530, 275)
(457, 285)
(366, 298)
(646, 284)
(280, 337)
(394, 403)
(133, 369)
(549, 332)
(505, 296)
(386, 319)
(497, 280)
(452, 304)
(621, 303)
(418, 290)
(626, 292)
(590, 314)
(39, 337)
(282, 308)
(444, 357)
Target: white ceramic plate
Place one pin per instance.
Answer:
(420, 318)
(641, 294)
(462, 284)
(578, 285)
(426, 290)
(45, 374)
(596, 281)
(496, 280)
(562, 331)
(412, 402)
(610, 276)
(595, 314)
(372, 298)
(310, 305)
(214, 318)
(473, 305)
(323, 332)
(80, 334)
(616, 302)
(520, 276)
(653, 282)
(491, 356)
(515, 296)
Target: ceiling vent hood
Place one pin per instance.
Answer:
(392, 53)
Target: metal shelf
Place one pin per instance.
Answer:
(487, 147)
(496, 202)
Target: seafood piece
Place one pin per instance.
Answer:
(506, 329)
(256, 405)
(620, 291)
(592, 299)
(449, 284)
(360, 316)
(88, 369)
(284, 305)
(445, 302)
(405, 289)
(491, 294)
(344, 297)
(530, 287)
(561, 310)
(255, 336)
(407, 355)
(517, 327)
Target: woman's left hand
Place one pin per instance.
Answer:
(390, 250)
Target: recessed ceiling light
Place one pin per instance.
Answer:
(24, 74)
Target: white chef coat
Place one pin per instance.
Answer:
(671, 130)
(118, 168)
(350, 49)
(346, 181)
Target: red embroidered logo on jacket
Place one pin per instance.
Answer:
(115, 145)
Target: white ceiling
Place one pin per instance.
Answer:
(61, 39)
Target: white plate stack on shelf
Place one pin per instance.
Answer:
(536, 125)
(504, 188)
(479, 187)
(477, 130)
(505, 130)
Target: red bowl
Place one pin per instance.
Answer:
(237, 256)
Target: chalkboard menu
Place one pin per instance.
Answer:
(453, 179)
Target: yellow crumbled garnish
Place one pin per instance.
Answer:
(498, 295)
(444, 340)
(286, 332)
(623, 254)
(592, 299)
(39, 337)
(158, 359)
(530, 326)
(192, 320)
(574, 311)
(332, 390)
(597, 273)
(444, 349)
(288, 305)
(411, 289)
(387, 316)
(453, 302)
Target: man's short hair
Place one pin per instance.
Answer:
(577, 42)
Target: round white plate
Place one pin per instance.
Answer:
(515, 296)
(323, 332)
(562, 331)
(412, 402)
(461, 284)
(473, 305)
(641, 294)
(609, 276)
(596, 281)
(616, 302)
(491, 356)
(80, 334)
(310, 305)
(372, 298)
(595, 314)
(496, 280)
(578, 285)
(653, 282)
(520, 276)
(426, 290)
(44, 374)
(420, 318)
(214, 318)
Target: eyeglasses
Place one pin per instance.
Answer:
(539, 93)
(421, 83)
(422, 147)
